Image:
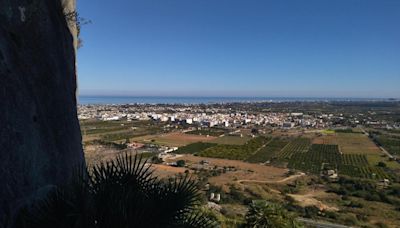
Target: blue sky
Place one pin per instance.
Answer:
(306, 48)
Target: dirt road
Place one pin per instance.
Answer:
(273, 182)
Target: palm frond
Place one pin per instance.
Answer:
(195, 219)
(119, 193)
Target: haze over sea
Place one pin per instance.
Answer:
(85, 100)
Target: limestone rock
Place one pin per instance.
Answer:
(40, 139)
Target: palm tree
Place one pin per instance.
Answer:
(120, 193)
(269, 215)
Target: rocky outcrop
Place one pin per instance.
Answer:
(40, 139)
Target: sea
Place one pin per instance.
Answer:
(92, 100)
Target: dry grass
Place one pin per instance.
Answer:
(88, 138)
(315, 198)
(356, 144)
(163, 171)
(374, 159)
(376, 212)
(100, 153)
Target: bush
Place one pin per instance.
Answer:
(331, 215)
(156, 160)
(180, 163)
(237, 196)
(372, 197)
(266, 214)
(350, 220)
(311, 211)
(382, 164)
(355, 204)
(381, 225)
(362, 217)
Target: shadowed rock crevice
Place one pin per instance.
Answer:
(40, 139)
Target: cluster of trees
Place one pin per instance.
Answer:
(368, 190)
(235, 152)
(389, 142)
(194, 148)
(268, 152)
(265, 214)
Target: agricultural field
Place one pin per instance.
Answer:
(268, 152)
(194, 148)
(231, 140)
(355, 159)
(177, 139)
(353, 165)
(241, 170)
(300, 154)
(209, 132)
(328, 131)
(97, 126)
(298, 145)
(235, 152)
(113, 131)
(313, 160)
(121, 136)
(366, 172)
(349, 130)
(355, 143)
(326, 139)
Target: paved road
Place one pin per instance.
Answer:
(320, 224)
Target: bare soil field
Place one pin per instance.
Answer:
(356, 144)
(101, 153)
(315, 198)
(244, 171)
(143, 138)
(163, 171)
(174, 139)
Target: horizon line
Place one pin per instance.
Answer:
(229, 96)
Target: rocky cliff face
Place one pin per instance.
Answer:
(40, 140)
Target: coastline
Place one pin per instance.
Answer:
(103, 100)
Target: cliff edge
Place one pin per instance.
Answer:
(40, 139)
